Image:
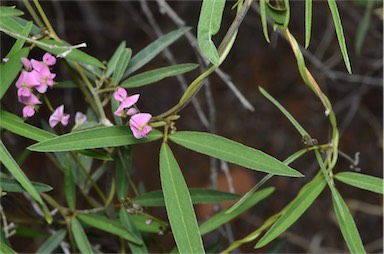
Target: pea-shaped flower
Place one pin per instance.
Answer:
(139, 125)
(58, 116)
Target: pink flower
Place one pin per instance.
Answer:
(25, 83)
(27, 63)
(5, 59)
(58, 117)
(45, 77)
(30, 103)
(48, 59)
(28, 111)
(80, 118)
(126, 101)
(139, 125)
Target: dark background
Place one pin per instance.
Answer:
(357, 100)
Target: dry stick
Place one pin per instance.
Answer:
(165, 8)
(168, 54)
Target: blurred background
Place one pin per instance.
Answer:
(357, 100)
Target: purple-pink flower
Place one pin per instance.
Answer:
(48, 59)
(45, 77)
(126, 101)
(59, 116)
(139, 125)
(26, 82)
(30, 103)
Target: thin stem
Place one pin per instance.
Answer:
(34, 15)
(52, 32)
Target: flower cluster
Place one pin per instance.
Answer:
(139, 121)
(35, 77)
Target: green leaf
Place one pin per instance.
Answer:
(209, 24)
(9, 11)
(293, 211)
(127, 223)
(121, 66)
(52, 242)
(81, 238)
(20, 42)
(308, 22)
(153, 76)
(362, 181)
(10, 24)
(223, 217)
(298, 127)
(280, 15)
(111, 65)
(73, 54)
(339, 33)
(263, 16)
(363, 27)
(93, 138)
(178, 204)
(347, 224)
(10, 70)
(153, 49)
(16, 125)
(69, 187)
(198, 196)
(11, 185)
(139, 221)
(4, 248)
(108, 225)
(8, 161)
(123, 161)
(231, 151)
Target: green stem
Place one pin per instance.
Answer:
(34, 15)
(223, 51)
(52, 32)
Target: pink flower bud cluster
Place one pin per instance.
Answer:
(35, 77)
(139, 121)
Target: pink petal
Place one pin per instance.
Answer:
(120, 94)
(56, 116)
(29, 100)
(64, 120)
(28, 111)
(48, 59)
(129, 101)
(132, 111)
(23, 92)
(80, 118)
(27, 63)
(42, 88)
(5, 59)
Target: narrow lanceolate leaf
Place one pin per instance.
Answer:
(20, 42)
(121, 66)
(16, 125)
(81, 238)
(52, 242)
(9, 11)
(231, 151)
(10, 70)
(108, 225)
(178, 204)
(294, 210)
(363, 27)
(198, 196)
(288, 115)
(223, 217)
(8, 161)
(127, 223)
(69, 187)
(69, 53)
(12, 185)
(111, 66)
(93, 138)
(365, 182)
(263, 16)
(209, 24)
(153, 76)
(347, 224)
(339, 33)
(153, 49)
(4, 248)
(308, 22)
